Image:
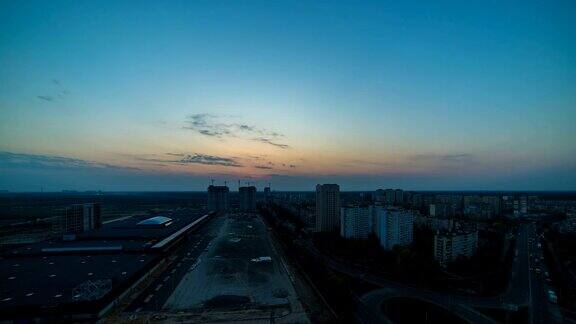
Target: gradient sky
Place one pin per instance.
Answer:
(447, 95)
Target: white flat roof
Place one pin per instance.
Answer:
(157, 220)
(178, 233)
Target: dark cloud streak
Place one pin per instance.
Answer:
(270, 142)
(263, 167)
(454, 157)
(210, 125)
(58, 92)
(197, 158)
(194, 158)
(53, 161)
(46, 98)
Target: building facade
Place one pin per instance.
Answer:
(78, 218)
(399, 196)
(267, 194)
(389, 196)
(449, 245)
(247, 196)
(327, 207)
(570, 222)
(218, 198)
(380, 196)
(355, 222)
(393, 226)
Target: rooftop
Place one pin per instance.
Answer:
(156, 221)
(143, 228)
(42, 284)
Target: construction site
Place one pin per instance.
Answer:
(231, 271)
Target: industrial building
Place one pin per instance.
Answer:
(85, 278)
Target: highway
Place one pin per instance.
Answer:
(541, 309)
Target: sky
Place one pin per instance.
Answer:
(169, 95)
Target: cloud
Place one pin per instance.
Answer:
(365, 162)
(270, 142)
(58, 92)
(201, 124)
(198, 158)
(457, 157)
(194, 158)
(52, 161)
(257, 157)
(209, 125)
(208, 132)
(46, 98)
(454, 157)
(28, 172)
(246, 128)
(158, 161)
(264, 167)
(212, 126)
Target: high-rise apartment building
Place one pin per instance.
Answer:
(355, 222)
(441, 210)
(524, 205)
(78, 218)
(218, 198)
(393, 226)
(521, 205)
(247, 197)
(327, 207)
(493, 203)
(380, 196)
(570, 222)
(398, 196)
(267, 194)
(390, 197)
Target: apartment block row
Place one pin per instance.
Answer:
(391, 225)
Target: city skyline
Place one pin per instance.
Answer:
(167, 96)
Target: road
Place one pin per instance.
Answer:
(541, 309)
(526, 288)
(370, 310)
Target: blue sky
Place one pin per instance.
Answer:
(168, 95)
